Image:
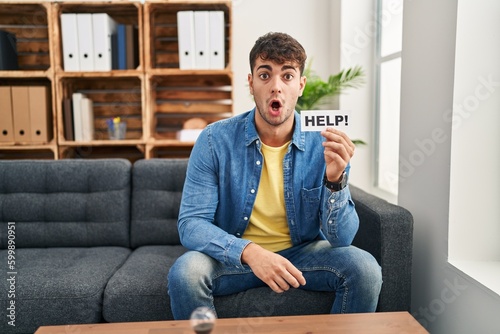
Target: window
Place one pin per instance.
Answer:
(474, 228)
(388, 74)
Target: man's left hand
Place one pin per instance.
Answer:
(339, 150)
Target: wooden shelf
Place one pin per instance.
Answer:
(124, 142)
(14, 152)
(154, 99)
(26, 74)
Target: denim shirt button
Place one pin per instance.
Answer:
(332, 200)
(330, 222)
(238, 234)
(252, 191)
(245, 218)
(257, 163)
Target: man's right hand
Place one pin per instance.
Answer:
(273, 269)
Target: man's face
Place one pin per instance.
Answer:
(276, 88)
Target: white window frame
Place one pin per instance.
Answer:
(379, 61)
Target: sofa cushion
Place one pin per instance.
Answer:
(76, 203)
(58, 285)
(156, 197)
(138, 290)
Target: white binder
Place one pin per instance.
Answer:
(85, 41)
(185, 35)
(217, 47)
(69, 31)
(77, 115)
(104, 28)
(87, 119)
(201, 40)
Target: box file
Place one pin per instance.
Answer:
(85, 41)
(185, 35)
(6, 115)
(69, 31)
(216, 42)
(104, 31)
(21, 113)
(40, 114)
(201, 40)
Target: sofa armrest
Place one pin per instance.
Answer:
(386, 231)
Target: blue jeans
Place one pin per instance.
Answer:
(354, 275)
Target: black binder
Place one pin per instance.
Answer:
(8, 51)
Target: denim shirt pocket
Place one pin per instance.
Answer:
(312, 201)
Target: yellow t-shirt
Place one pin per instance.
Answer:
(268, 225)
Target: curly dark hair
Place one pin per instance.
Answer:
(279, 48)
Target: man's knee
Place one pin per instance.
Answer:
(367, 270)
(190, 268)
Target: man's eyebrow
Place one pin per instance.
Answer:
(267, 67)
(283, 68)
(288, 67)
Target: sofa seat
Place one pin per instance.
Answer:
(138, 290)
(60, 285)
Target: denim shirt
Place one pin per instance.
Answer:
(222, 181)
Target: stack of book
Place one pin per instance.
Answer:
(96, 42)
(79, 118)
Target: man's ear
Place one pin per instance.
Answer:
(250, 82)
(303, 80)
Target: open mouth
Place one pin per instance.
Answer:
(275, 105)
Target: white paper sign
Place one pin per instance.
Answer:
(319, 120)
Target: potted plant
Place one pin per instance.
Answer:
(318, 92)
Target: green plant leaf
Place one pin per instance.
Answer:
(317, 90)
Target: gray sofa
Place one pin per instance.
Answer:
(92, 241)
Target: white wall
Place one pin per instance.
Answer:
(306, 21)
(475, 133)
(357, 47)
(443, 299)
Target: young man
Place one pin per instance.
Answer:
(261, 197)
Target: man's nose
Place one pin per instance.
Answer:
(275, 85)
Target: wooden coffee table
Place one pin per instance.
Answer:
(383, 323)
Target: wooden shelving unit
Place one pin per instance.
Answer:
(154, 99)
(32, 24)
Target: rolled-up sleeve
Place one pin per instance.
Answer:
(339, 220)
